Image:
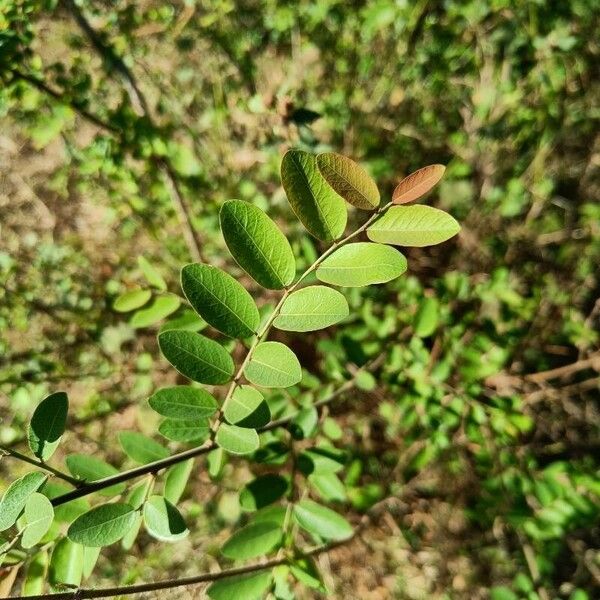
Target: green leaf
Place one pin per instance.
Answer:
(197, 357)
(185, 431)
(176, 479)
(349, 180)
(90, 558)
(220, 300)
(306, 572)
(183, 402)
(273, 364)
(33, 585)
(262, 491)
(141, 448)
(15, 497)
(131, 300)
(66, 563)
(257, 244)
(413, 226)
(320, 209)
(153, 277)
(426, 319)
(90, 468)
(163, 521)
(311, 308)
(247, 408)
(321, 521)
(237, 440)
(161, 307)
(360, 264)
(253, 540)
(39, 515)
(241, 587)
(329, 486)
(103, 525)
(47, 425)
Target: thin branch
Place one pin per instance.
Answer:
(39, 464)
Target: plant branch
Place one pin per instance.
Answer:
(40, 464)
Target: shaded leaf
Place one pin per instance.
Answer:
(237, 440)
(257, 244)
(153, 277)
(220, 300)
(131, 300)
(349, 180)
(47, 425)
(197, 357)
(103, 525)
(256, 539)
(320, 209)
(39, 515)
(90, 468)
(141, 448)
(360, 264)
(66, 563)
(176, 479)
(321, 521)
(413, 226)
(426, 319)
(417, 184)
(35, 578)
(183, 402)
(311, 308)
(241, 587)
(90, 558)
(273, 364)
(163, 521)
(161, 307)
(247, 408)
(262, 491)
(15, 497)
(185, 431)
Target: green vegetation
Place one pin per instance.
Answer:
(220, 184)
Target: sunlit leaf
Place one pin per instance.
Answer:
(183, 402)
(237, 440)
(159, 309)
(361, 264)
(153, 277)
(47, 425)
(247, 408)
(257, 244)
(321, 521)
(256, 539)
(220, 300)
(15, 497)
(163, 521)
(417, 184)
(349, 180)
(66, 563)
(426, 319)
(311, 308)
(178, 430)
(39, 515)
(131, 300)
(103, 525)
(176, 478)
(197, 357)
(273, 364)
(141, 448)
(413, 226)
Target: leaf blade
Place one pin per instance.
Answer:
(321, 521)
(102, 525)
(273, 364)
(237, 440)
(183, 402)
(417, 184)
(47, 425)
(257, 539)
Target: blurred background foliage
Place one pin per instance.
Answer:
(124, 121)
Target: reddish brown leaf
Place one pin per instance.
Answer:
(417, 184)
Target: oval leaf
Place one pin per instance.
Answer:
(262, 491)
(66, 563)
(197, 357)
(413, 226)
(132, 300)
(417, 184)
(320, 209)
(241, 587)
(183, 402)
(141, 448)
(163, 521)
(176, 479)
(311, 308)
(237, 440)
(321, 521)
(103, 525)
(426, 319)
(47, 425)
(185, 431)
(15, 497)
(360, 264)
(253, 540)
(273, 364)
(257, 244)
(161, 307)
(349, 180)
(90, 468)
(39, 515)
(220, 300)
(247, 408)
(153, 277)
